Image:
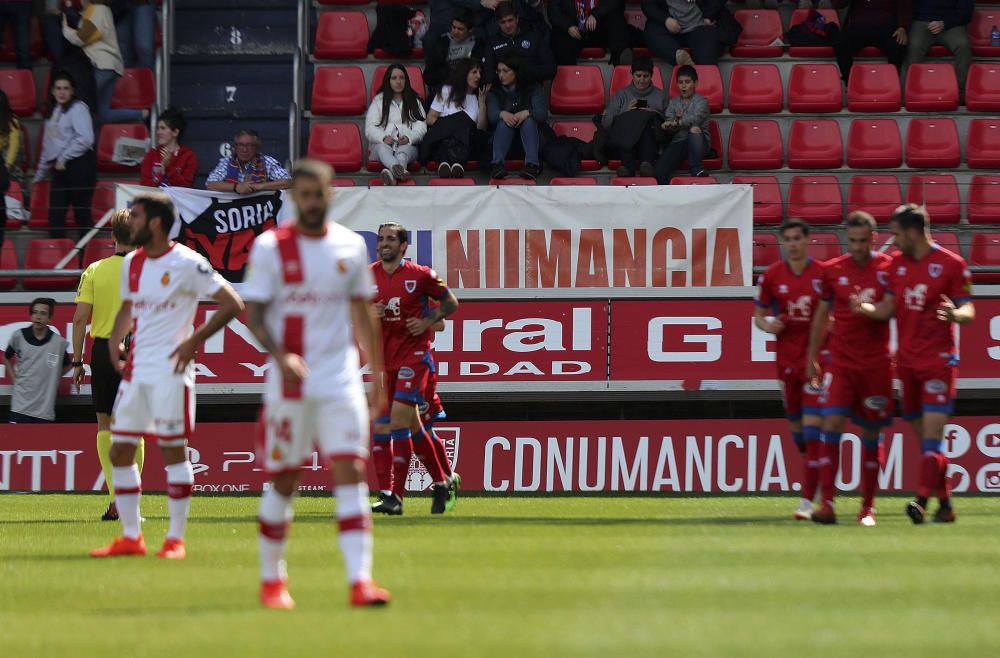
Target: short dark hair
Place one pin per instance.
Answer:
(401, 233)
(175, 120)
(793, 223)
(157, 204)
(642, 64)
(687, 70)
(505, 9)
(910, 215)
(463, 17)
(314, 169)
(44, 301)
(511, 60)
(860, 218)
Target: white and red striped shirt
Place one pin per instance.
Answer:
(308, 284)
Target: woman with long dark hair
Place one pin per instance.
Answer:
(68, 153)
(10, 146)
(461, 95)
(395, 124)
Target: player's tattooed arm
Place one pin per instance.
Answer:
(449, 304)
(817, 332)
(880, 310)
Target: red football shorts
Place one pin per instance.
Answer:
(799, 395)
(928, 388)
(406, 384)
(865, 394)
(430, 406)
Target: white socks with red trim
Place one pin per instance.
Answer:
(180, 478)
(128, 488)
(355, 523)
(274, 518)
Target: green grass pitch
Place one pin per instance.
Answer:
(512, 577)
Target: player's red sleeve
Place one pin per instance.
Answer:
(826, 284)
(765, 297)
(960, 284)
(433, 284)
(885, 279)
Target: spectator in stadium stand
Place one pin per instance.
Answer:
(52, 28)
(942, 22)
(460, 43)
(18, 13)
(135, 22)
(879, 23)
(68, 154)
(578, 24)
(631, 117)
(515, 109)
(170, 163)
(529, 45)
(443, 11)
(35, 359)
(10, 147)
(246, 171)
(95, 33)
(703, 26)
(686, 119)
(456, 120)
(395, 124)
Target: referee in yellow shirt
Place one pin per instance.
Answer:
(98, 298)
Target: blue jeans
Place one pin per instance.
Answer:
(106, 79)
(137, 36)
(504, 137)
(692, 149)
(20, 13)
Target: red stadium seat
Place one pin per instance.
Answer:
(824, 246)
(19, 85)
(339, 90)
(873, 88)
(939, 192)
(985, 250)
(765, 249)
(512, 181)
(979, 31)
(7, 53)
(982, 87)
(110, 132)
(766, 198)
(815, 88)
(338, 144)
(874, 144)
(8, 261)
(628, 181)
(948, 240)
(416, 53)
(761, 27)
(104, 198)
(694, 180)
(377, 182)
(577, 90)
(622, 77)
(755, 145)
(815, 144)
(709, 85)
(877, 195)
(585, 180)
(815, 199)
(931, 87)
(982, 146)
(342, 182)
(342, 35)
(38, 217)
(932, 143)
(97, 249)
(715, 144)
(983, 196)
(416, 79)
(44, 254)
(592, 53)
(818, 52)
(582, 130)
(755, 89)
(135, 89)
(445, 182)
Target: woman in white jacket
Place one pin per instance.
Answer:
(395, 124)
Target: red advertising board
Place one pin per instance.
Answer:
(676, 456)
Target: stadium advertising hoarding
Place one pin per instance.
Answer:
(543, 241)
(675, 456)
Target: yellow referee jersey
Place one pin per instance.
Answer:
(100, 286)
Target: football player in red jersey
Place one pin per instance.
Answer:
(928, 289)
(789, 291)
(859, 375)
(404, 292)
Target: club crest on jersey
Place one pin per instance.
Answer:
(165, 279)
(410, 285)
(935, 269)
(342, 266)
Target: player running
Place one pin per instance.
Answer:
(859, 375)
(98, 298)
(161, 284)
(404, 292)
(308, 292)
(789, 290)
(927, 289)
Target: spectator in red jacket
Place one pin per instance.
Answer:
(170, 163)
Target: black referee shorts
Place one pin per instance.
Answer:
(104, 379)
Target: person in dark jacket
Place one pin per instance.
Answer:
(578, 24)
(704, 26)
(630, 119)
(686, 119)
(942, 22)
(461, 43)
(442, 11)
(515, 109)
(529, 46)
(879, 23)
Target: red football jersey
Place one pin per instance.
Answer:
(917, 286)
(792, 298)
(854, 339)
(405, 294)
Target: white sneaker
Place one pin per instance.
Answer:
(683, 57)
(805, 510)
(387, 178)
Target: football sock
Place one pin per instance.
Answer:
(180, 479)
(402, 451)
(829, 463)
(423, 446)
(930, 469)
(872, 458)
(273, 520)
(440, 452)
(355, 523)
(800, 442)
(104, 454)
(382, 457)
(814, 449)
(128, 489)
